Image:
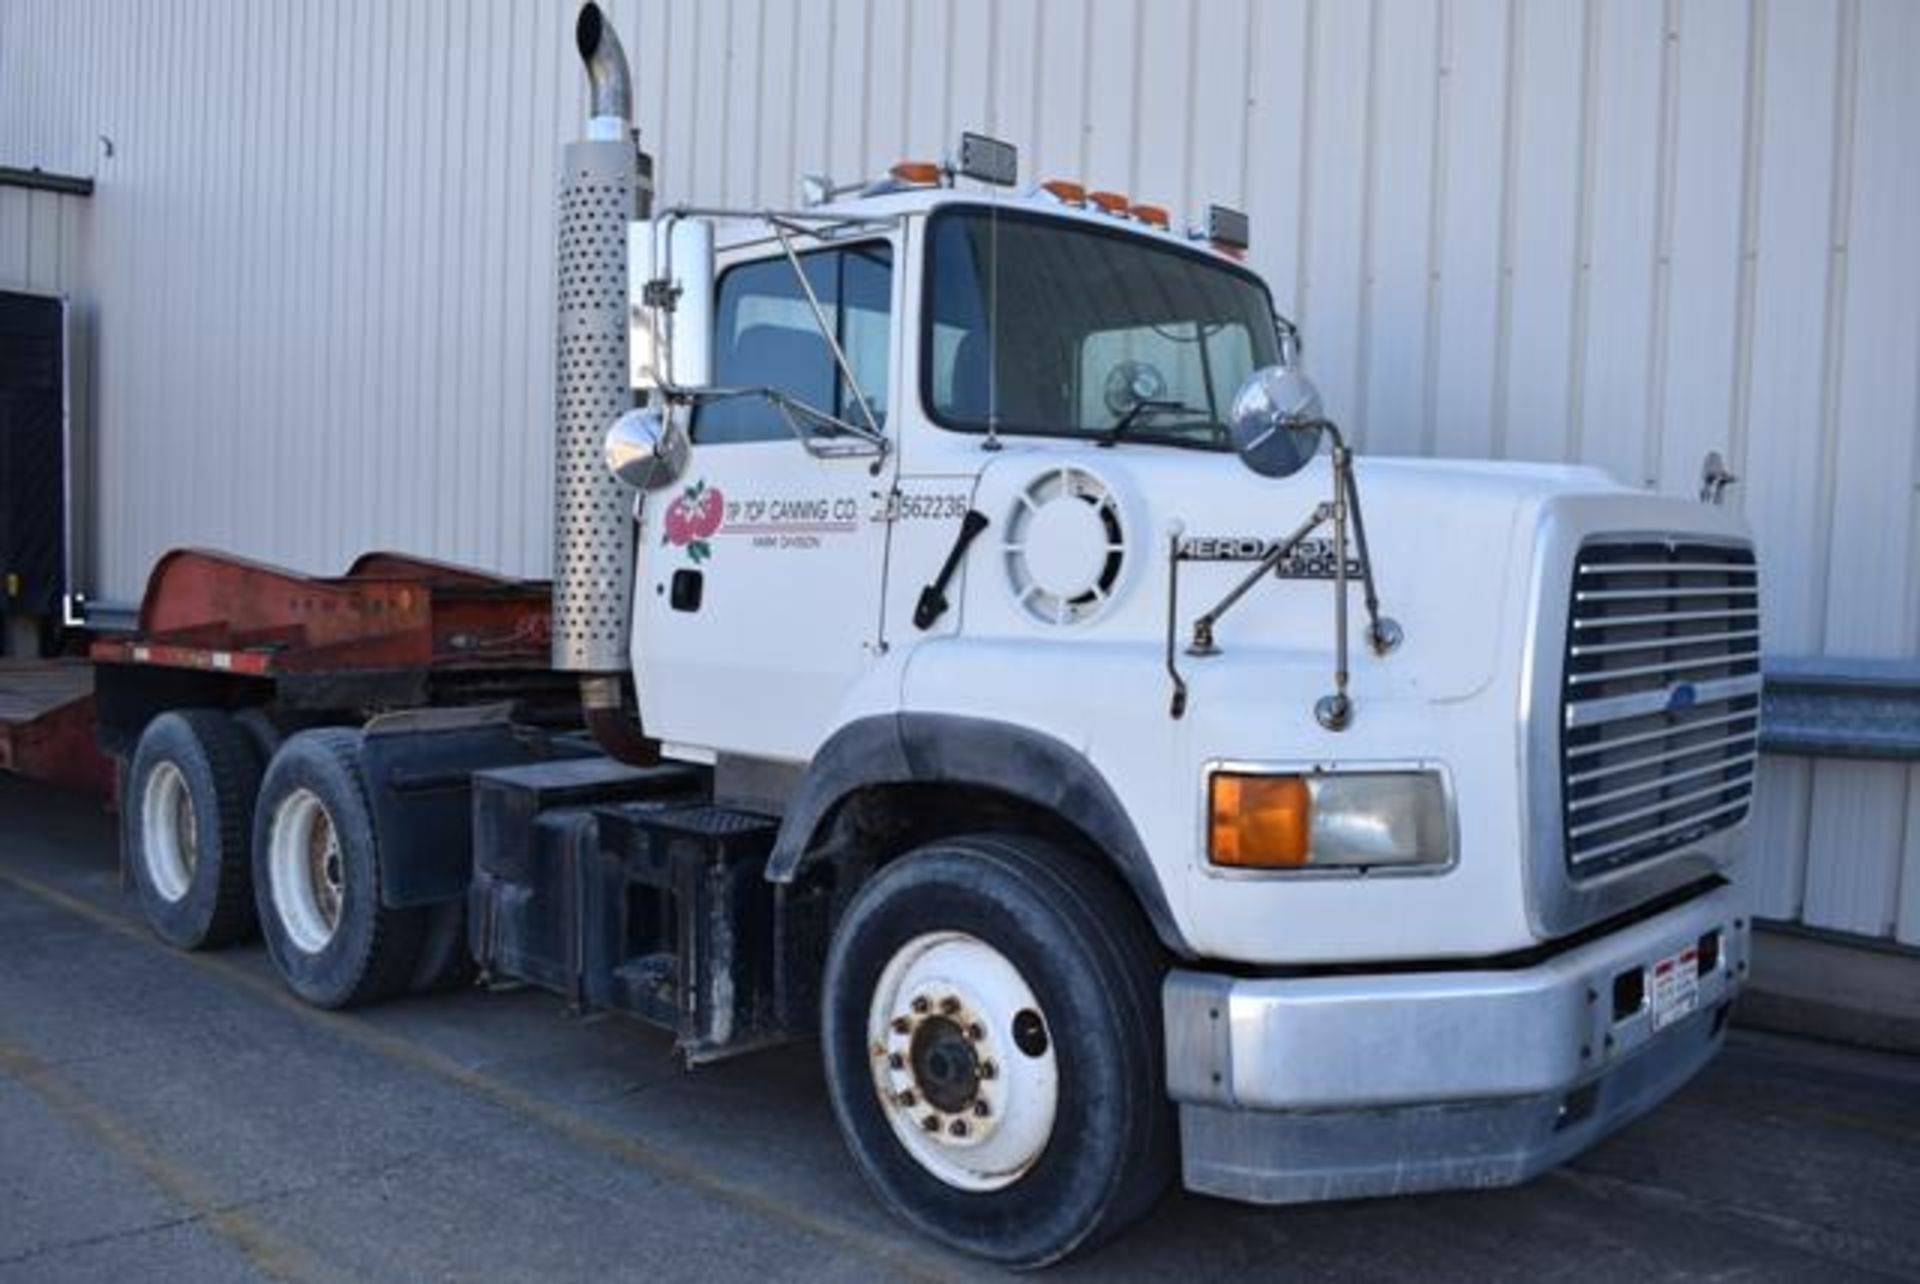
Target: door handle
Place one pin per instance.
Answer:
(686, 591)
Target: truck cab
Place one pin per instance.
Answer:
(1448, 938)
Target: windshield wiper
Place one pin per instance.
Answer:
(1140, 408)
(1187, 434)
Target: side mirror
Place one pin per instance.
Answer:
(670, 285)
(647, 449)
(1277, 421)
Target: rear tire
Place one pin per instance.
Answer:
(269, 731)
(992, 1036)
(187, 817)
(316, 873)
(259, 729)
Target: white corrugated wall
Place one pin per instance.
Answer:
(1620, 232)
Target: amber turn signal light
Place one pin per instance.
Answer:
(1258, 822)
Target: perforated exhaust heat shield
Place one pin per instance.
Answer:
(592, 512)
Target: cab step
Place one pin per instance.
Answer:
(625, 889)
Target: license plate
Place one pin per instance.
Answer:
(1676, 987)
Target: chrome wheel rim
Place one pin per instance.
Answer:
(307, 870)
(169, 833)
(963, 1061)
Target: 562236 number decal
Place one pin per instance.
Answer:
(902, 506)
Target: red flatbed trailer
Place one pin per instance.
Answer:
(219, 613)
(394, 632)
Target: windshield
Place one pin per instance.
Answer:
(1069, 329)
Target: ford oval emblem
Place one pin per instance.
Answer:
(1681, 696)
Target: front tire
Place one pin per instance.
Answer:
(187, 813)
(992, 1039)
(316, 875)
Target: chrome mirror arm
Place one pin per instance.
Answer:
(1342, 509)
(797, 414)
(783, 226)
(1383, 633)
(781, 231)
(1335, 711)
(1203, 625)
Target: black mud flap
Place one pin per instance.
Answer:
(419, 769)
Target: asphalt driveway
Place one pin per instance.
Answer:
(174, 1116)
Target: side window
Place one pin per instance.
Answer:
(765, 337)
(866, 328)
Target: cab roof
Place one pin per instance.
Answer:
(887, 199)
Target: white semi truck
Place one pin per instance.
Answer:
(1022, 701)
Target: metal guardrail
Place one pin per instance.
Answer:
(1827, 707)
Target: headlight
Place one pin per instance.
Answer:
(1333, 820)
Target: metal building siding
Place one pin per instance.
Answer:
(1622, 233)
(309, 236)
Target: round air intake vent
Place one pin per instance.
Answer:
(1064, 546)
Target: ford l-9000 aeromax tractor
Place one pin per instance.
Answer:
(988, 666)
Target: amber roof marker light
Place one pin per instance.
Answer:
(1152, 216)
(1066, 191)
(916, 173)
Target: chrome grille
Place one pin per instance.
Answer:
(1661, 699)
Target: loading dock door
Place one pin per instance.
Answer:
(32, 453)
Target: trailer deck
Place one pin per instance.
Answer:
(46, 723)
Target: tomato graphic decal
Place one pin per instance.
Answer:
(692, 518)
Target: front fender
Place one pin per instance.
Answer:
(938, 748)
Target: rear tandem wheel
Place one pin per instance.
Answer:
(187, 817)
(316, 871)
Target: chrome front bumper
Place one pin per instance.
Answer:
(1334, 1087)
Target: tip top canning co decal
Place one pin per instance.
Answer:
(700, 512)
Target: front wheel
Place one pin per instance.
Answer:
(992, 1038)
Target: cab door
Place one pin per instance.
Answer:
(759, 572)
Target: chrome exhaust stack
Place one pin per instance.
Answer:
(606, 182)
(609, 82)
